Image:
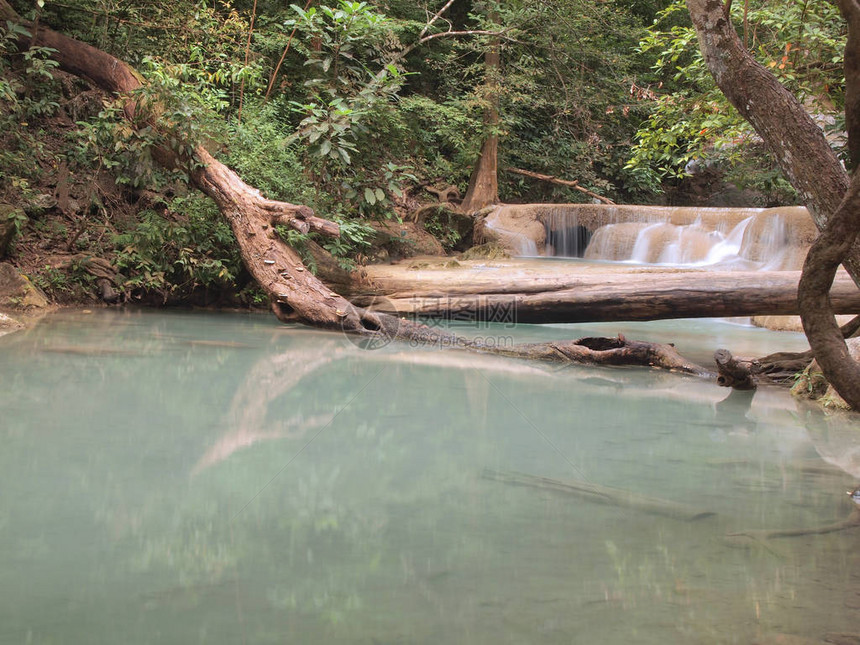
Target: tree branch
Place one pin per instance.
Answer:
(561, 182)
(435, 17)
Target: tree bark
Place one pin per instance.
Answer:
(816, 307)
(484, 183)
(732, 372)
(851, 13)
(796, 142)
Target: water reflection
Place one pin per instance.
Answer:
(226, 479)
(249, 420)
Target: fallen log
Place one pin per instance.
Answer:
(602, 351)
(602, 495)
(596, 297)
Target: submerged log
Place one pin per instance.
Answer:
(851, 522)
(602, 495)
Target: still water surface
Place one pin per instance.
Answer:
(185, 478)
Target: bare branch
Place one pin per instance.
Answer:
(467, 32)
(435, 18)
(561, 182)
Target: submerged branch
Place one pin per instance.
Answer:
(851, 522)
(602, 495)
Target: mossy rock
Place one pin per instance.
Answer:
(17, 292)
(488, 251)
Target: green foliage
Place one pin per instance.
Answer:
(109, 141)
(345, 49)
(441, 135)
(262, 151)
(441, 226)
(355, 237)
(74, 283)
(189, 246)
(799, 41)
(28, 93)
(350, 87)
(18, 220)
(27, 89)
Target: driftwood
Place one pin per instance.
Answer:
(733, 373)
(420, 213)
(561, 182)
(445, 195)
(602, 495)
(100, 268)
(446, 198)
(604, 351)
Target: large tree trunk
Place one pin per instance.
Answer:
(813, 169)
(484, 183)
(851, 13)
(796, 142)
(816, 307)
(838, 241)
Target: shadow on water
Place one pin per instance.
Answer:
(226, 479)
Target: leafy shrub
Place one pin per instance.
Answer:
(188, 247)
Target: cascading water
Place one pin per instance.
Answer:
(732, 238)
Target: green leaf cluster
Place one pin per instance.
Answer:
(175, 252)
(801, 42)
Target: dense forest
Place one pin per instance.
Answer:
(352, 108)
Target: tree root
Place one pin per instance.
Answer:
(779, 367)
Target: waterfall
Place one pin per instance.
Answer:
(732, 238)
